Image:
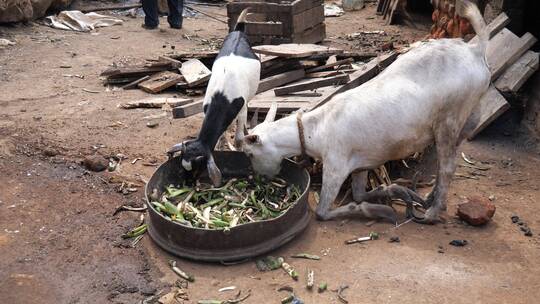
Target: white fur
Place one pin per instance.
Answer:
(235, 76)
(425, 96)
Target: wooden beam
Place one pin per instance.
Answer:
(368, 71)
(504, 49)
(311, 85)
(195, 72)
(280, 79)
(491, 106)
(329, 65)
(329, 73)
(160, 82)
(188, 109)
(294, 50)
(133, 84)
(515, 76)
(174, 63)
(156, 102)
(264, 28)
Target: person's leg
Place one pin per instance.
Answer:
(150, 8)
(176, 8)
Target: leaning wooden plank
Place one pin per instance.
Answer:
(311, 85)
(174, 63)
(366, 72)
(329, 65)
(195, 72)
(330, 73)
(491, 106)
(188, 109)
(160, 82)
(293, 50)
(133, 84)
(504, 49)
(157, 102)
(280, 79)
(127, 72)
(262, 101)
(515, 76)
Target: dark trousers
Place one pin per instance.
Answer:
(150, 8)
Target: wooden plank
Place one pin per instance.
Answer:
(258, 7)
(160, 82)
(329, 73)
(495, 26)
(133, 84)
(195, 72)
(293, 50)
(364, 74)
(157, 102)
(133, 72)
(280, 79)
(193, 54)
(303, 5)
(491, 106)
(504, 49)
(308, 19)
(175, 64)
(264, 28)
(515, 76)
(312, 35)
(330, 65)
(311, 85)
(262, 101)
(188, 109)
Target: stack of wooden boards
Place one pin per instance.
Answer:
(511, 63)
(389, 8)
(305, 76)
(280, 21)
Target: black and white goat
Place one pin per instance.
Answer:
(424, 97)
(234, 81)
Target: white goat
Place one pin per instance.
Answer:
(425, 96)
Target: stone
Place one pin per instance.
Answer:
(476, 211)
(95, 163)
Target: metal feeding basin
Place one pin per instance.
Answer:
(240, 242)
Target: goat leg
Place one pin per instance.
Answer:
(365, 209)
(385, 194)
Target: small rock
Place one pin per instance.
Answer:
(152, 124)
(50, 152)
(95, 163)
(394, 239)
(476, 211)
(459, 243)
(520, 223)
(514, 218)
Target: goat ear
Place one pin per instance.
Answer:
(213, 171)
(271, 116)
(252, 139)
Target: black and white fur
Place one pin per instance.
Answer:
(234, 81)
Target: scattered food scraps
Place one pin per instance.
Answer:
(239, 201)
(181, 273)
(322, 287)
(268, 263)
(310, 279)
(137, 231)
(306, 256)
(289, 269)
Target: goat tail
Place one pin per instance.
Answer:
(241, 21)
(471, 12)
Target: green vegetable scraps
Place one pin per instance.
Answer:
(239, 201)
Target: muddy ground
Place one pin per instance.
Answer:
(60, 243)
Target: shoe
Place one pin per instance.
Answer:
(147, 27)
(178, 27)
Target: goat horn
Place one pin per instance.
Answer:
(254, 119)
(271, 116)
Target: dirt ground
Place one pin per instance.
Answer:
(60, 243)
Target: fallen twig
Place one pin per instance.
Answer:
(306, 256)
(181, 273)
(340, 293)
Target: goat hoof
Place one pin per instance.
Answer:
(321, 216)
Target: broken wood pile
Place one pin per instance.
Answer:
(185, 72)
(280, 21)
(511, 64)
(305, 76)
(388, 9)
